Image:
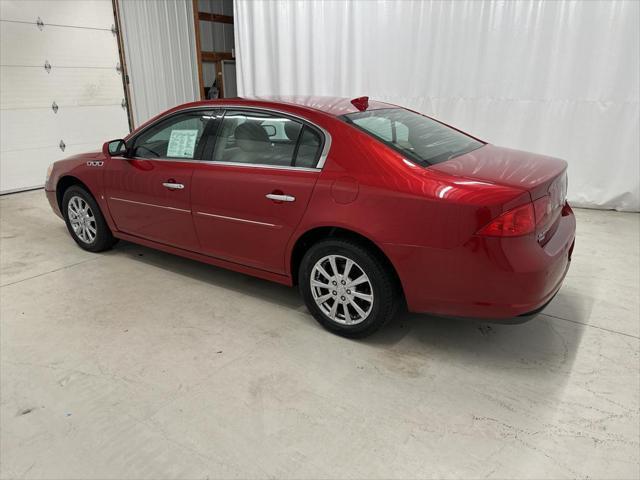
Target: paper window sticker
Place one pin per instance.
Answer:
(182, 143)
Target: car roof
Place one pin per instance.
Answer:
(335, 106)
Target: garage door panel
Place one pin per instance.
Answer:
(25, 169)
(28, 129)
(77, 41)
(85, 13)
(31, 87)
(24, 44)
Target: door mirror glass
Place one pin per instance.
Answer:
(117, 148)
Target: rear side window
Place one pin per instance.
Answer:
(308, 148)
(420, 138)
(265, 139)
(256, 137)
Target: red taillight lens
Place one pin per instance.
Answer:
(515, 222)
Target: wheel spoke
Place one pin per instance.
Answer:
(347, 315)
(316, 283)
(360, 280)
(334, 310)
(363, 296)
(323, 272)
(357, 308)
(334, 267)
(347, 269)
(323, 299)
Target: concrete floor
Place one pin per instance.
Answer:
(139, 364)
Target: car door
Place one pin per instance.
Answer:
(251, 191)
(149, 190)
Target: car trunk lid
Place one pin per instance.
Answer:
(504, 166)
(543, 177)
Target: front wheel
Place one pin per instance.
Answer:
(84, 220)
(347, 287)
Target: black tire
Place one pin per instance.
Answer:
(382, 285)
(104, 239)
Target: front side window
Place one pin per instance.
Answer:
(176, 137)
(420, 138)
(264, 139)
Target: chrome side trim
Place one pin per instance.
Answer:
(258, 165)
(159, 159)
(321, 161)
(242, 220)
(149, 204)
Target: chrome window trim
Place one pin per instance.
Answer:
(150, 204)
(241, 220)
(319, 165)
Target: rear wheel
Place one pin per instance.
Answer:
(84, 220)
(348, 289)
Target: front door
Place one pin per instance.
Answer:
(250, 196)
(149, 192)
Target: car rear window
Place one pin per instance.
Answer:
(419, 138)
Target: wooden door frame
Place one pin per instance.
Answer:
(210, 57)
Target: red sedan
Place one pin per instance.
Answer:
(364, 205)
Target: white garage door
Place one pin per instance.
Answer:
(47, 114)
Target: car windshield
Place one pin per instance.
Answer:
(420, 138)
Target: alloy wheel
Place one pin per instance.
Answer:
(341, 289)
(82, 219)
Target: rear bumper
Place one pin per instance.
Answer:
(490, 278)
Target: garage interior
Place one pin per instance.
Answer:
(139, 364)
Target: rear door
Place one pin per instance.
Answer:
(250, 195)
(149, 192)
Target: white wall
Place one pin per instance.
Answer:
(77, 41)
(160, 54)
(554, 77)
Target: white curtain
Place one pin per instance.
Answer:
(559, 78)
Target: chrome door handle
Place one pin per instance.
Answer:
(173, 186)
(280, 198)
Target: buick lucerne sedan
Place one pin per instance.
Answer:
(365, 206)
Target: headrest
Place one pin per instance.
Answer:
(251, 131)
(292, 130)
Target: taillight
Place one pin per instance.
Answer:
(542, 208)
(517, 221)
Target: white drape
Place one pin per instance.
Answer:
(554, 77)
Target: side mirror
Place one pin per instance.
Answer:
(115, 148)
